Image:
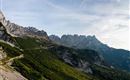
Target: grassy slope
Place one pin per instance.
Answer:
(11, 51)
(105, 73)
(41, 64)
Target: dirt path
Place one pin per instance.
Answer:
(8, 73)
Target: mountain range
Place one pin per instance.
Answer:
(27, 53)
(116, 58)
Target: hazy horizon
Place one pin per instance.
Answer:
(108, 20)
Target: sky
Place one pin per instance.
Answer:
(108, 20)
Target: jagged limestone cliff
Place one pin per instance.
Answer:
(6, 70)
(20, 31)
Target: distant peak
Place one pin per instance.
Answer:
(92, 37)
(54, 36)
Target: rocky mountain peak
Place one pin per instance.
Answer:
(78, 41)
(54, 37)
(92, 37)
(20, 31)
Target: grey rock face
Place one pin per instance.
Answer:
(4, 35)
(80, 59)
(55, 39)
(77, 63)
(16, 30)
(78, 41)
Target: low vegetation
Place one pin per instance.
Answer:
(40, 63)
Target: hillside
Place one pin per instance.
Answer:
(43, 62)
(40, 63)
(117, 58)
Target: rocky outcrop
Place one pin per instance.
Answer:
(4, 34)
(80, 59)
(16, 30)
